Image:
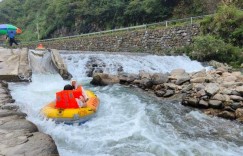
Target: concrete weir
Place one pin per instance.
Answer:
(15, 64)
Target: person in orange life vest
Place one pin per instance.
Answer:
(65, 99)
(79, 95)
(75, 86)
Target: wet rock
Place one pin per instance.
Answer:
(4, 113)
(215, 103)
(10, 106)
(102, 79)
(69, 58)
(159, 93)
(203, 104)
(228, 108)
(191, 102)
(235, 105)
(97, 70)
(20, 143)
(146, 83)
(144, 75)
(236, 98)
(16, 123)
(168, 93)
(4, 84)
(227, 115)
(212, 88)
(120, 69)
(159, 78)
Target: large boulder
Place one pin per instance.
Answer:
(215, 103)
(203, 104)
(190, 102)
(146, 83)
(201, 73)
(219, 97)
(212, 88)
(16, 123)
(159, 78)
(102, 79)
(127, 78)
(168, 93)
(21, 142)
(177, 72)
(182, 78)
(159, 93)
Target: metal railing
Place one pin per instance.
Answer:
(166, 23)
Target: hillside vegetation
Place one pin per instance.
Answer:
(54, 18)
(221, 38)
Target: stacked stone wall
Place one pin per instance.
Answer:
(156, 41)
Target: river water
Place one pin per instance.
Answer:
(129, 122)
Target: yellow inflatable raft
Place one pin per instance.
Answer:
(71, 116)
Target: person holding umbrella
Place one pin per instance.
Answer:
(10, 31)
(11, 35)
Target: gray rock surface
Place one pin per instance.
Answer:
(212, 88)
(17, 135)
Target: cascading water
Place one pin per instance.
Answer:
(41, 62)
(129, 122)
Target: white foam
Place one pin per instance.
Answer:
(133, 63)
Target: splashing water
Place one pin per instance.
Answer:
(129, 122)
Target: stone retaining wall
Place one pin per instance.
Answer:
(158, 41)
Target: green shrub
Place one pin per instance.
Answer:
(227, 24)
(206, 48)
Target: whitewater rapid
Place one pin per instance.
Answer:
(129, 122)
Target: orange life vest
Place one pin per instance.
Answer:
(78, 92)
(66, 99)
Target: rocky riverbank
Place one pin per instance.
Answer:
(217, 92)
(19, 136)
